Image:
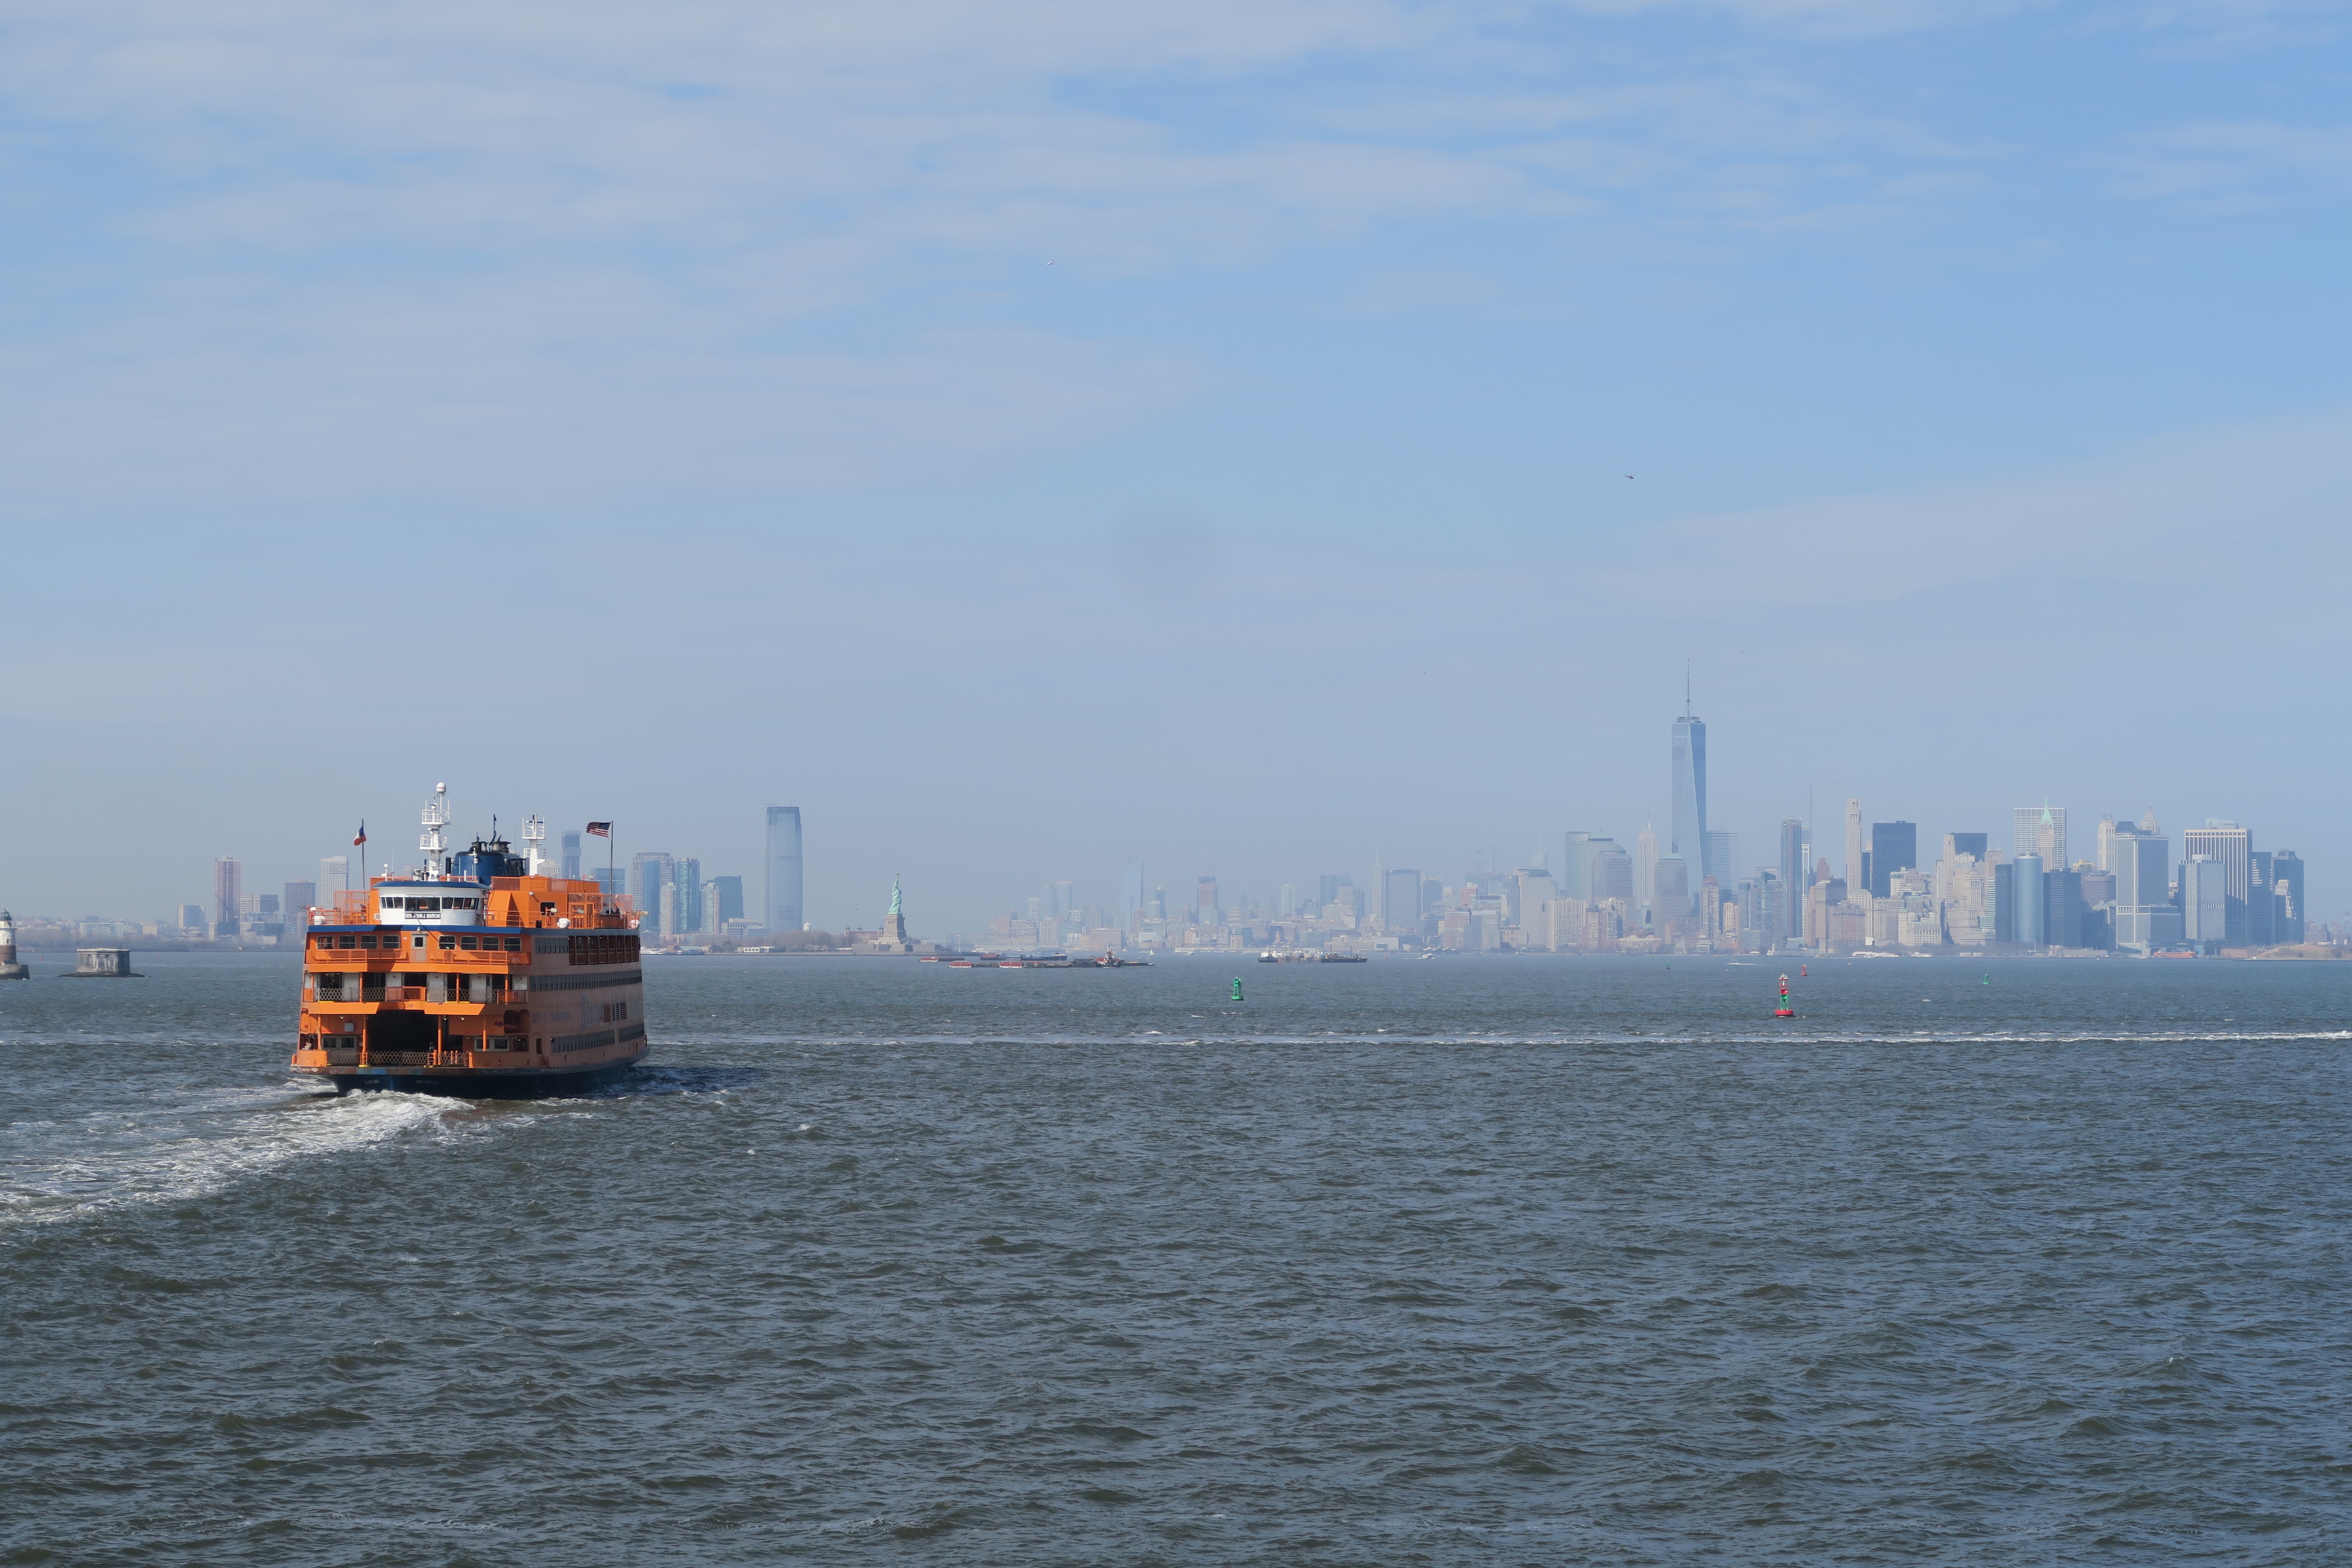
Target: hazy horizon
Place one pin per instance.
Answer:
(1253, 440)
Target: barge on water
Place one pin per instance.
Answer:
(478, 976)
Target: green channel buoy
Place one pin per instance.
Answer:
(1237, 987)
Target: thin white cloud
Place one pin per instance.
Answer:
(2211, 508)
(2232, 167)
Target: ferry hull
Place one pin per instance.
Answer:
(469, 1083)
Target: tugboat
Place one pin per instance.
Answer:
(478, 975)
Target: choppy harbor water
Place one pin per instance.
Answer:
(1466, 1261)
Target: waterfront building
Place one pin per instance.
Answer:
(229, 893)
(1532, 888)
(1611, 873)
(2286, 869)
(299, 899)
(1720, 854)
(1400, 901)
(2028, 899)
(1893, 846)
(651, 871)
(780, 895)
(1969, 893)
(2205, 902)
(2233, 847)
(730, 899)
(1671, 903)
(2063, 908)
(1572, 863)
(687, 874)
(2262, 901)
(1793, 878)
(1205, 911)
(2039, 830)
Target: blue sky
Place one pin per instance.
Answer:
(1035, 434)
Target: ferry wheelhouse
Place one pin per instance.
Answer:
(479, 974)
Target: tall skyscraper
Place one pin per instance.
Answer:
(687, 874)
(1689, 829)
(1608, 872)
(1205, 908)
(730, 899)
(1793, 878)
(2262, 901)
(1572, 875)
(649, 872)
(781, 901)
(1645, 865)
(2233, 847)
(1131, 896)
(2041, 830)
(335, 876)
(1672, 899)
(572, 855)
(1531, 893)
(2141, 868)
(1400, 901)
(2286, 870)
(2205, 901)
(1958, 843)
(300, 897)
(1721, 852)
(2030, 901)
(1857, 876)
(1895, 847)
(228, 892)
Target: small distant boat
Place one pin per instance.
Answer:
(1343, 958)
(960, 964)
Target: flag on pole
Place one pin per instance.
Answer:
(362, 837)
(601, 829)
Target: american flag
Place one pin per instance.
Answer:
(601, 829)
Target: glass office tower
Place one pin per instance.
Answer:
(783, 900)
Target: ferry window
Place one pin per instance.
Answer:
(367, 939)
(420, 944)
(342, 941)
(446, 942)
(514, 944)
(469, 943)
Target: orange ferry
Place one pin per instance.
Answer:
(478, 976)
